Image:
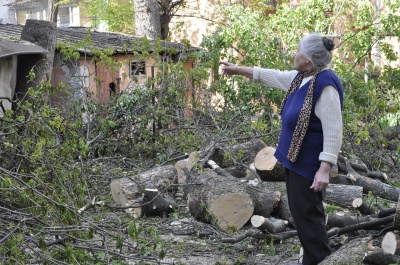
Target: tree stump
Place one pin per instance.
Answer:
(267, 166)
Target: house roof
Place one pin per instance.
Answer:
(120, 43)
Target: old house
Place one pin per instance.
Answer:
(87, 71)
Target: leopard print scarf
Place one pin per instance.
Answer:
(305, 113)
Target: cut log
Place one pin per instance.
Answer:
(267, 166)
(226, 201)
(243, 153)
(364, 208)
(351, 253)
(124, 190)
(379, 257)
(377, 187)
(342, 195)
(270, 225)
(391, 243)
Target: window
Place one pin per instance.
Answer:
(137, 68)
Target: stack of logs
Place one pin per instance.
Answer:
(243, 185)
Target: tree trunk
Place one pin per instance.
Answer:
(42, 33)
(52, 10)
(147, 19)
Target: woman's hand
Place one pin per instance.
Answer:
(321, 179)
(233, 69)
(228, 68)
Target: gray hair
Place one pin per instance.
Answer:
(318, 49)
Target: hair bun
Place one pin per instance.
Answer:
(328, 43)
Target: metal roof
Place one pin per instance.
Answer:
(8, 48)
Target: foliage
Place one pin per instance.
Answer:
(118, 15)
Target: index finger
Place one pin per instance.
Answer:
(224, 63)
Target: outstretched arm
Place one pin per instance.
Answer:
(233, 69)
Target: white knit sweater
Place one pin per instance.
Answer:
(327, 108)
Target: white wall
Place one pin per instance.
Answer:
(4, 12)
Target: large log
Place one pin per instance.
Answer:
(282, 210)
(267, 166)
(374, 186)
(351, 253)
(226, 201)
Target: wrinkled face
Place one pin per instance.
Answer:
(301, 61)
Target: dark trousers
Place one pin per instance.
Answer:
(308, 214)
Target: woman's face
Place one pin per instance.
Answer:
(301, 61)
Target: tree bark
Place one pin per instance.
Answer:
(147, 19)
(52, 10)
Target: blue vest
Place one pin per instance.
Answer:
(307, 163)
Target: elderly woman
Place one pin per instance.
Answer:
(311, 135)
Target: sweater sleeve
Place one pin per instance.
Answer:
(328, 110)
(274, 78)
